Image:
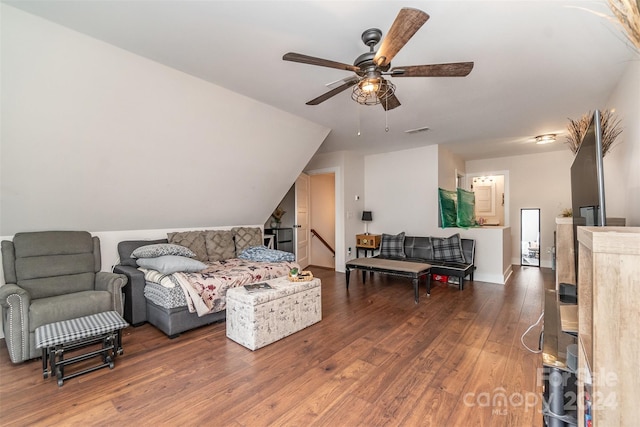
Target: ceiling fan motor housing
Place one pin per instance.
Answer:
(371, 37)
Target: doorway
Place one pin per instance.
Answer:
(530, 237)
(491, 189)
(323, 220)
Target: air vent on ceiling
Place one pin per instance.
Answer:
(417, 130)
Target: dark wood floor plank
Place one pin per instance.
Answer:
(376, 358)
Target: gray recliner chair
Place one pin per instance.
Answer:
(52, 276)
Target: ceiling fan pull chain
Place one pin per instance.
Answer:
(359, 120)
(386, 115)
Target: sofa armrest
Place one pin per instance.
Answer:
(112, 283)
(10, 289)
(135, 304)
(15, 301)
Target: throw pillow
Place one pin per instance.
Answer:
(193, 240)
(447, 201)
(263, 254)
(160, 249)
(168, 264)
(126, 248)
(220, 245)
(466, 216)
(448, 249)
(246, 237)
(392, 246)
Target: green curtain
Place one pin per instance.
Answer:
(466, 216)
(448, 211)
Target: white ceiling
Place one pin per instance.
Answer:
(537, 63)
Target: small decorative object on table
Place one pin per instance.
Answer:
(300, 276)
(257, 287)
(277, 217)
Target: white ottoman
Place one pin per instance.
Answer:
(262, 317)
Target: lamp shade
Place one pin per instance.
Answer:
(366, 216)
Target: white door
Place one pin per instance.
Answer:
(302, 234)
(485, 199)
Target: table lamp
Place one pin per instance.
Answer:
(366, 217)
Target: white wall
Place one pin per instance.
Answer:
(622, 163)
(534, 181)
(401, 189)
(449, 165)
(96, 138)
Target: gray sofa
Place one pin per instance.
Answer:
(51, 276)
(138, 310)
(421, 249)
(209, 246)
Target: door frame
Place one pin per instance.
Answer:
(339, 220)
(469, 179)
(539, 237)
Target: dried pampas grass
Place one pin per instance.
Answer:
(628, 14)
(609, 125)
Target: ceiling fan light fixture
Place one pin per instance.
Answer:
(369, 85)
(545, 139)
(370, 91)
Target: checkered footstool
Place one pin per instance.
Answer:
(56, 338)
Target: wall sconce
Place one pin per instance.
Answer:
(366, 218)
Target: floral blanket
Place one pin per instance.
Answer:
(206, 290)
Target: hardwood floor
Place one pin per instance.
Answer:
(376, 358)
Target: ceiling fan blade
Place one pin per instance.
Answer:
(306, 59)
(456, 69)
(334, 92)
(406, 24)
(390, 102)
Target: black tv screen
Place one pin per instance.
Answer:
(587, 186)
(587, 178)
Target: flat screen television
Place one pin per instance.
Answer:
(587, 178)
(587, 183)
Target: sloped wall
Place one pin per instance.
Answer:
(96, 138)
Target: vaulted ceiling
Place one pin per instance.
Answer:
(537, 63)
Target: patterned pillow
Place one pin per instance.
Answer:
(160, 249)
(263, 254)
(247, 237)
(392, 246)
(448, 249)
(193, 240)
(220, 245)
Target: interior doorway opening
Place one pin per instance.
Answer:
(493, 205)
(530, 237)
(323, 220)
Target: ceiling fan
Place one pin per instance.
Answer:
(371, 87)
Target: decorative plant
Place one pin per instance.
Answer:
(608, 123)
(294, 272)
(278, 214)
(628, 14)
(566, 213)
